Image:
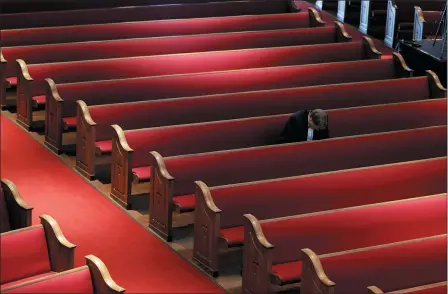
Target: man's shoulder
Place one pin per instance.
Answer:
(300, 114)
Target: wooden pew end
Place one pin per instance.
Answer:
(436, 89)
(19, 211)
(341, 33)
(61, 251)
(374, 290)
(101, 279)
(85, 141)
(314, 279)
(3, 83)
(54, 126)
(24, 99)
(314, 18)
(369, 49)
(121, 168)
(257, 262)
(206, 230)
(160, 198)
(401, 68)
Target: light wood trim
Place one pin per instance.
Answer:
(374, 290)
(19, 212)
(412, 290)
(314, 279)
(15, 193)
(341, 34)
(46, 219)
(24, 98)
(370, 50)
(122, 138)
(20, 230)
(258, 231)
(436, 89)
(86, 113)
(401, 67)
(314, 18)
(85, 141)
(54, 125)
(101, 278)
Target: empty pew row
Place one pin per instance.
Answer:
(34, 252)
(31, 78)
(436, 288)
(270, 246)
(48, 53)
(400, 18)
(17, 6)
(393, 266)
(205, 84)
(86, 68)
(15, 212)
(93, 278)
(144, 13)
(373, 18)
(130, 160)
(425, 24)
(219, 221)
(172, 184)
(158, 28)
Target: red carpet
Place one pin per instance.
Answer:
(136, 259)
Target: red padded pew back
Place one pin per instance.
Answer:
(86, 53)
(122, 14)
(24, 254)
(119, 68)
(157, 28)
(356, 228)
(244, 165)
(239, 105)
(297, 195)
(406, 8)
(76, 282)
(250, 132)
(393, 267)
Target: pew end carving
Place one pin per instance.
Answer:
(401, 68)
(436, 89)
(257, 264)
(374, 290)
(369, 49)
(341, 33)
(314, 279)
(24, 98)
(60, 250)
(206, 230)
(3, 83)
(54, 126)
(101, 278)
(19, 212)
(121, 168)
(160, 198)
(314, 18)
(85, 141)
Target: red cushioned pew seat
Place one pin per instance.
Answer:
(333, 231)
(389, 265)
(93, 278)
(223, 207)
(15, 212)
(35, 251)
(270, 162)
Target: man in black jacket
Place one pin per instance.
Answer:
(306, 125)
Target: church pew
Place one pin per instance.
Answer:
(34, 252)
(425, 23)
(373, 17)
(173, 186)
(15, 212)
(436, 288)
(130, 161)
(93, 278)
(80, 51)
(400, 18)
(160, 28)
(31, 78)
(148, 12)
(395, 266)
(219, 217)
(206, 84)
(270, 246)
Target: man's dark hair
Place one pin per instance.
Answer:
(319, 119)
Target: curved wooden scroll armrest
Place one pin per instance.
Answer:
(159, 164)
(419, 14)
(293, 7)
(2, 59)
(122, 138)
(314, 18)
(203, 192)
(374, 290)
(60, 250)
(101, 279)
(52, 90)
(436, 89)
(85, 112)
(341, 33)
(23, 70)
(370, 51)
(313, 270)
(18, 210)
(258, 231)
(401, 67)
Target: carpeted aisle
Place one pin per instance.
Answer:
(137, 260)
